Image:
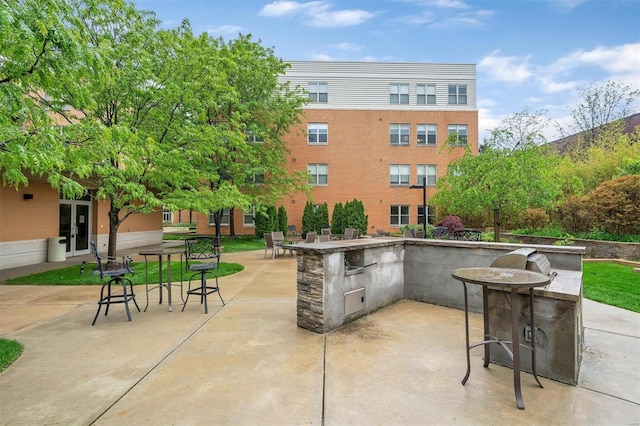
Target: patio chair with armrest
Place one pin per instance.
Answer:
(202, 258)
(310, 238)
(117, 272)
(278, 241)
(408, 233)
(269, 245)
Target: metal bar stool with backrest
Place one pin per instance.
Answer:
(116, 271)
(203, 257)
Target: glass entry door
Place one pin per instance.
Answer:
(75, 225)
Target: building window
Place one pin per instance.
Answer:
(167, 215)
(429, 171)
(457, 94)
(399, 215)
(399, 174)
(224, 219)
(253, 138)
(319, 92)
(426, 94)
(255, 178)
(319, 174)
(462, 131)
(399, 93)
(399, 134)
(247, 217)
(427, 134)
(431, 215)
(317, 133)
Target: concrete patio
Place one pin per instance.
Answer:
(247, 363)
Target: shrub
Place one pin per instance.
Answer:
(322, 217)
(534, 218)
(338, 222)
(264, 221)
(453, 223)
(575, 215)
(308, 218)
(283, 221)
(355, 217)
(615, 205)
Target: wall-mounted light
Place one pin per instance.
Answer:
(27, 196)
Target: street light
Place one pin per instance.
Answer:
(424, 203)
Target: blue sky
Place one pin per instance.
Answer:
(529, 53)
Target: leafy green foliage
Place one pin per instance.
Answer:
(322, 217)
(283, 221)
(534, 218)
(155, 117)
(338, 219)
(355, 216)
(308, 218)
(615, 205)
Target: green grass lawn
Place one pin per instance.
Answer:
(612, 284)
(229, 244)
(71, 275)
(10, 350)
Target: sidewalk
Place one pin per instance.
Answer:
(247, 362)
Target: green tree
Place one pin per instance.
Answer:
(355, 216)
(600, 104)
(308, 218)
(513, 173)
(338, 222)
(322, 217)
(160, 117)
(283, 221)
(39, 42)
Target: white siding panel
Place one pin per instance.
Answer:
(365, 85)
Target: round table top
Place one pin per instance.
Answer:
(505, 277)
(162, 251)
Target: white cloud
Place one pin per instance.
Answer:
(347, 46)
(322, 57)
(511, 69)
(225, 30)
(318, 14)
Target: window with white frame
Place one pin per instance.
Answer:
(224, 218)
(399, 93)
(253, 138)
(317, 133)
(319, 174)
(457, 94)
(461, 130)
(399, 215)
(399, 134)
(319, 92)
(399, 174)
(426, 94)
(429, 171)
(427, 134)
(247, 217)
(431, 215)
(255, 178)
(167, 215)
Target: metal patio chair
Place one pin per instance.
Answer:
(116, 272)
(203, 258)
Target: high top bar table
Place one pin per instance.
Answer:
(511, 279)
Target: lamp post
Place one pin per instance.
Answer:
(424, 202)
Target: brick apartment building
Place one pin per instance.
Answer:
(371, 131)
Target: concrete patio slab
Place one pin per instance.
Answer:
(247, 363)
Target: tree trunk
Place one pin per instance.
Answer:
(114, 223)
(496, 225)
(232, 222)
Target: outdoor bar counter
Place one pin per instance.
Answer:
(341, 281)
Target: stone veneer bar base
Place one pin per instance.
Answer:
(385, 270)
